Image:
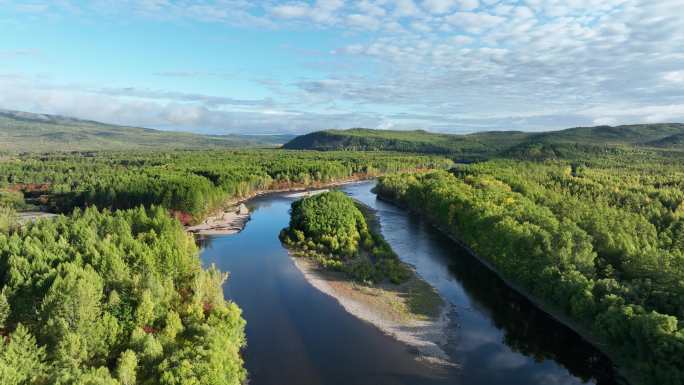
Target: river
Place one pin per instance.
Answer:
(298, 335)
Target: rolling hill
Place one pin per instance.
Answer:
(410, 141)
(484, 144)
(30, 132)
(671, 141)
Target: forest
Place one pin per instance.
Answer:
(599, 241)
(112, 292)
(331, 229)
(191, 184)
(100, 297)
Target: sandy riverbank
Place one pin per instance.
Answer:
(387, 307)
(227, 222)
(413, 313)
(307, 193)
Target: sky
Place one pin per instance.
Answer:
(259, 67)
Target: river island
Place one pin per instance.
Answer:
(336, 243)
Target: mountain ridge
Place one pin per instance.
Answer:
(483, 144)
(22, 131)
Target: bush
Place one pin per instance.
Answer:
(8, 218)
(361, 269)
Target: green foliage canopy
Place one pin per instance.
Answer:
(331, 228)
(191, 182)
(599, 241)
(103, 297)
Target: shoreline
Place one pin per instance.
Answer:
(543, 306)
(425, 336)
(412, 312)
(228, 220)
(384, 306)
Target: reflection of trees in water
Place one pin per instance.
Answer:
(527, 329)
(261, 202)
(203, 241)
(269, 199)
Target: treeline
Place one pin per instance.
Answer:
(600, 241)
(193, 183)
(113, 298)
(330, 228)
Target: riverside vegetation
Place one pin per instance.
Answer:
(113, 292)
(353, 263)
(592, 232)
(192, 184)
(598, 241)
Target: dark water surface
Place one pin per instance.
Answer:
(297, 335)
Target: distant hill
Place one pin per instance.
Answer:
(636, 134)
(671, 141)
(483, 144)
(30, 132)
(409, 141)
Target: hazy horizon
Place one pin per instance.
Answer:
(457, 66)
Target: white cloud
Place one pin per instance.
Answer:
(462, 39)
(636, 114)
(156, 112)
(406, 8)
(523, 12)
(363, 21)
(323, 11)
(468, 5)
(474, 22)
(421, 27)
(503, 9)
(370, 8)
(439, 6)
(605, 121)
(329, 5)
(292, 10)
(676, 77)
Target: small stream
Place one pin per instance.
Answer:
(298, 335)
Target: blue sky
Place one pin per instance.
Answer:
(222, 66)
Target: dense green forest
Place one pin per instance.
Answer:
(589, 221)
(330, 228)
(29, 132)
(119, 297)
(484, 145)
(598, 240)
(190, 183)
(113, 298)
